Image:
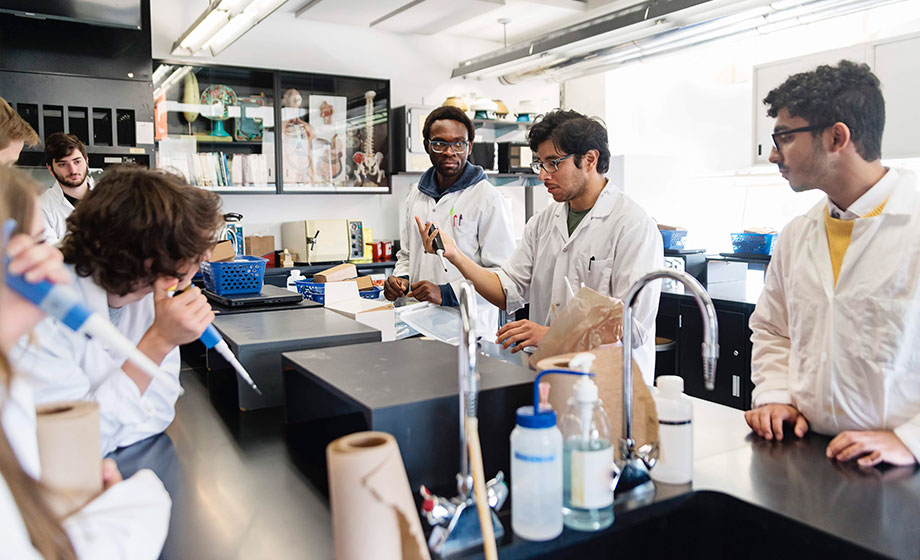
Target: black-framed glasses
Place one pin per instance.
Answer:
(440, 146)
(780, 137)
(549, 166)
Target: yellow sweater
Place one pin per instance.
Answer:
(839, 233)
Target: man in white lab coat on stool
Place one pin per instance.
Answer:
(836, 331)
(456, 195)
(594, 234)
(65, 158)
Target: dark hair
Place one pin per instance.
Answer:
(59, 145)
(137, 224)
(848, 92)
(450, 113)
(13, 127)
(572, 133)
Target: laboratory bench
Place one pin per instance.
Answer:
(258, 340)
(244, 497)
(278, 276)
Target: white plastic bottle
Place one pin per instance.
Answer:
(587, 503)
(536, 476)
(675, 429)
(292, 279)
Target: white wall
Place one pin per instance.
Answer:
(418, 67)
(684, 124)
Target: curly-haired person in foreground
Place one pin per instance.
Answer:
(135, 236)
(837, 327)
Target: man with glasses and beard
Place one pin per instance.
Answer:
(593, 235)
(65, 158)
(456, 195)
(836, 330)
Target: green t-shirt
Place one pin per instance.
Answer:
(575, 217)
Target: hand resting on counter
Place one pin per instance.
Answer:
(767, 420)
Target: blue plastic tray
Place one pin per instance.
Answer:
(756, 243)
(316, 291)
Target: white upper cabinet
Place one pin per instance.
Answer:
(897, 65)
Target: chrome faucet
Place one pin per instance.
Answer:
(455, 521)
(634, 478)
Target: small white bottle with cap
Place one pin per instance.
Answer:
(536, 476)
(675, 429)
(292, 279)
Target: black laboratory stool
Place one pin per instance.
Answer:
(665, 356)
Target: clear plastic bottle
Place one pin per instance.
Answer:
(536, 476)
(675, 429)
(292, 279)
(587, 503)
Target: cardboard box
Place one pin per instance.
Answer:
(339, 272)
(223, 251)
(377, 314)
(260, 246)
(365, 283)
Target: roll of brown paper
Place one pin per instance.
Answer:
(373, 513)
(608, 375)
(69, 453)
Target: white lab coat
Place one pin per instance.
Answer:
(55, 209)
(60, 364)
(484, 234)
(847, 357)
(129, 520)
(619, 241)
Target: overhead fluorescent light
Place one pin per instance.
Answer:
(221, 24)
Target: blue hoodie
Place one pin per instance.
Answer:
(428, 185)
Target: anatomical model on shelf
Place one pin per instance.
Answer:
(327, 117)
(297, 140)
(368, 164)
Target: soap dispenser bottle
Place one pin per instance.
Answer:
(675, 417)
(587, 456)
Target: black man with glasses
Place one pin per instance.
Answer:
(456, 195)
(836, 331)
(591, 235)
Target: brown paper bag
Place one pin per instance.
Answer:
(587, 321)
(373, 512)
(69, 454)
(608, 372)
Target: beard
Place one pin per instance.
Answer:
(67, 181)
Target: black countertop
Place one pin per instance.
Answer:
(263, 331)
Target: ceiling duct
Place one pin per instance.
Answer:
(646, 30)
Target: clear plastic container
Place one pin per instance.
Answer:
(536, 476)
(675, 430)
(587, 503)
(292, 279)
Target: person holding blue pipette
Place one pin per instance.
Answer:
(132, 240)
(129, 519)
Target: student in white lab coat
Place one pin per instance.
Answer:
(135, 236)
(15, 133)
(65, 158)
(130, 518)
(593, 234)
(457, 196)
(836, 331)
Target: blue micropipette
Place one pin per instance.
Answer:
(212, 339)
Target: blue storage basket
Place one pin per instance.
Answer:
(316, 291)
(756, 243)
(673, 238)
(242, 275)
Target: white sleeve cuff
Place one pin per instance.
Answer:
(513, 297)
(775, 396)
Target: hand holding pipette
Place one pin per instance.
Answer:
(438, 245)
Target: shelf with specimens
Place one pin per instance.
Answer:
(216, 126)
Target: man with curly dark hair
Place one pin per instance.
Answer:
(132, 239)
(837, 327)
(593, 235)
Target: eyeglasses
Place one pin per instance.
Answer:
(781, 136)
(550, 166)
(439, 146)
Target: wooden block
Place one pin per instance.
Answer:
(223, 251)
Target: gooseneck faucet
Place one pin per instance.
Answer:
(634, 477)
(455, 522)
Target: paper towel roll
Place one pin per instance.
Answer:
(68, 449)
(608, 371)
(373, 513)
